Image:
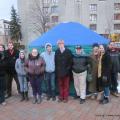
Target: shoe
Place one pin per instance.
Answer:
(22, 97)
(39, 100)
(53, 98)
(104, 101)
(115, 94)
(34, 100)
(3, 103)
(26, 96)
(60, 100)
(48, 98)
(82, 101)
(65, 101)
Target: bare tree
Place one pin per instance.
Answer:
(39, 17)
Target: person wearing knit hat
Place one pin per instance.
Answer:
(19, 67)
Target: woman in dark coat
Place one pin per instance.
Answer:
(105, 73)
(2, 75)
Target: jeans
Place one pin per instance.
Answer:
(50, 79)
(106, 91)
(36, 83)
(114, 83)
(2, 89)
(23, 83)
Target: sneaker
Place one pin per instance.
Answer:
(3, 103)
(60, 100)
(65, 101)
(82, 101)
(39, 100)
(53, 98)
(115, 94)
(104, 101)
(34, 100)
(48, 98)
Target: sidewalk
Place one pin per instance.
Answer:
(49, 110)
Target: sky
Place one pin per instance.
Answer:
(5, 8)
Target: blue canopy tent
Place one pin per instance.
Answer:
(72, 33)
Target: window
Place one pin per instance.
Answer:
(117, 16)
(93, 17)
(54, 19)
(47, 19)
(54, 1)
(45, 10)
(54, 9)
(117, 6)
(116, 26)
(93, 27)
(45, 1)
(93, 7)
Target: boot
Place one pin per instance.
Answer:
(22, 97)
(34, 100)
(26, 96)
(105, 100)
(39, 100)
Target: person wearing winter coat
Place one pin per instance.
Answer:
(63, 65)
(94, 57)
(20, 69)
(11, 56)
(49, 57)
(2, 75)
(104, 71)
(35, 68)
(115, 63)
(80, 69)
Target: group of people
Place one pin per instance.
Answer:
(95, 74)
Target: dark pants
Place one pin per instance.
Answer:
(36, 83)
(50, 79)
(2, 89)
(114, 83)
(63, 83)
(10, 77)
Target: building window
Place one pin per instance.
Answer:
(93, 7)
(45, 10)
(93, 27)
(117, 6)
(116, 26)
(47, 19)
(93, 17)
(54, 1)
(117, 16)
(45, 1)
(54, 9)
(54, 19)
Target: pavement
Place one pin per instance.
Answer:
(52, 110)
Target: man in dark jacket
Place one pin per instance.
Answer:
(115, 64)
(11, 55)
(63, 63)
(80, 67)
(2, 75)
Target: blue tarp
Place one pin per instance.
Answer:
(72, 33)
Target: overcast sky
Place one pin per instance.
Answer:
(5, 8)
